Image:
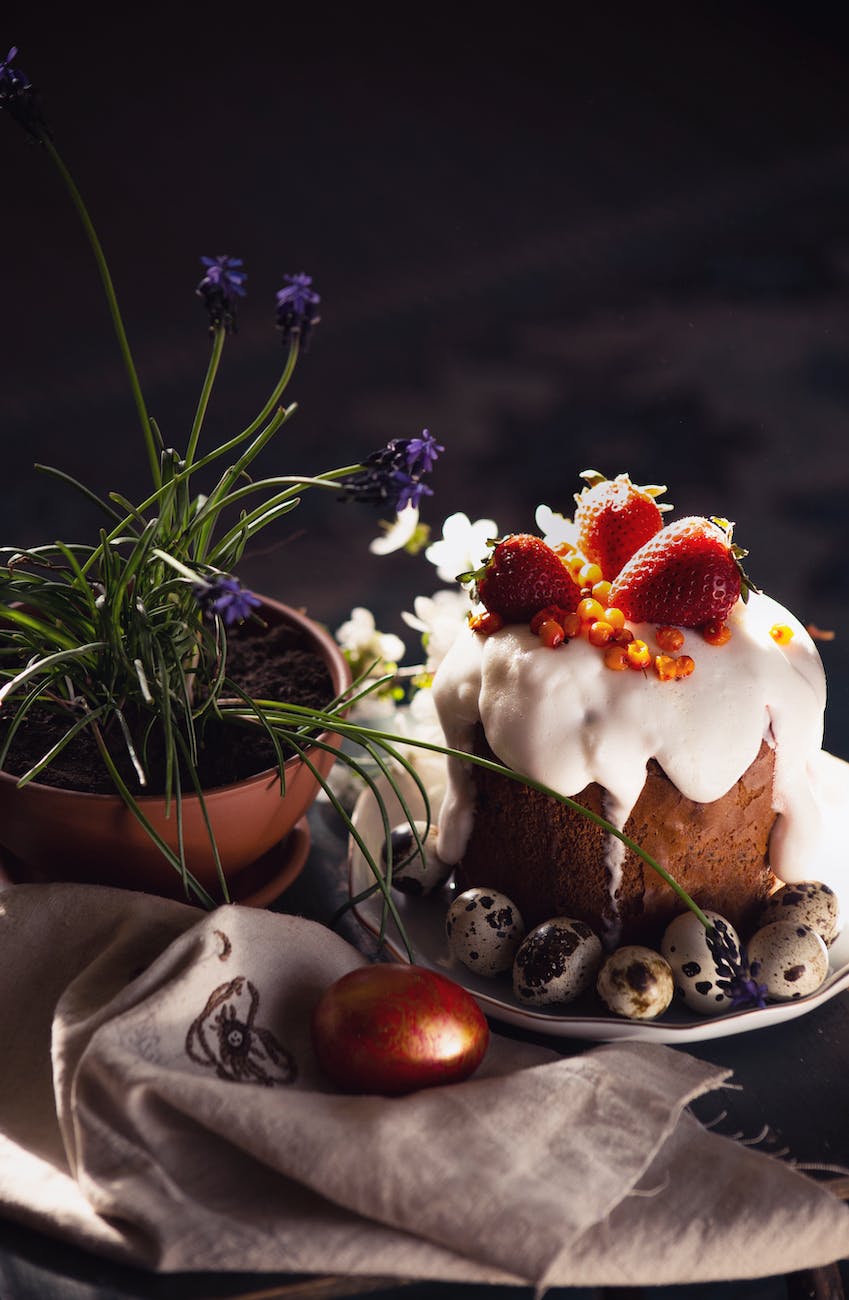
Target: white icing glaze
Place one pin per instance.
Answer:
(563, 718)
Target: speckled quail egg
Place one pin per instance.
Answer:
(809, 902)
(556, 962)
(791, 960)
(636, 982)
(484, 929)
(414, 872)
(694, 969)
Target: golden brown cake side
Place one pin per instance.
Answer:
(552, 861)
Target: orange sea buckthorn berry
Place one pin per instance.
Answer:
(614, 617)
(616, 657)
(601, 591)
(684, 665)
(665, 666)
(589, 610)
(639, 655)
(622, 635)
(486, 623)
(781, 633)
(599, 633)
(571, 625)
(547, 612)
(574, 562)
(551, 633)
(715, 632)
(669, 638)
(590, 574)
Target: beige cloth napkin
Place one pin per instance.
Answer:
(160, 1103)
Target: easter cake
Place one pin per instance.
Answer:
(630, 669)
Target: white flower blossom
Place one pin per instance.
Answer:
(398, 534)
(463, 546)
(362, 642)
(439, 618)
(555, 528)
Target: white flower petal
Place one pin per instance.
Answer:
(358, 631)
(398, 533)
(390, 646)
(463, 546)
(554, 527)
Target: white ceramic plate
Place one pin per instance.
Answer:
(424, 918)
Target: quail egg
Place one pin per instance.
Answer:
(636, 982)
(790, 959)
(809, 902)
(484, 929)
(556, 962)
(416, 871)
(694, 968)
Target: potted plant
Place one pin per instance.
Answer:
(126, 656)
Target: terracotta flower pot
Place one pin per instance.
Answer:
(56, 834)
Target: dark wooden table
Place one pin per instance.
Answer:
(791, 1102)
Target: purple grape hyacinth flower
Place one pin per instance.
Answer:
(409, 490)
(227, 598)
(223, 282)
(422, 453)
(744, 990)
(20, 99)
(737, 978)
(296, 303)
(393, 475)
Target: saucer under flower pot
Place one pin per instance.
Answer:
(258, 885)
(62, 834)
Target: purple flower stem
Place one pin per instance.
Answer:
(114, 310)
(218, 337)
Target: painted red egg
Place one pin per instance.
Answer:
(392, 1029)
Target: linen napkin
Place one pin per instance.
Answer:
(161, 1104)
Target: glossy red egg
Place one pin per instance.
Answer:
(392, 1029)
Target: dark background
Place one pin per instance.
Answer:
(621, 241)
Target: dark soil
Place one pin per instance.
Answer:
(272, 664)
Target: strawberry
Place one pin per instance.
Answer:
(521, 576)
(686, 574)
(614, 519)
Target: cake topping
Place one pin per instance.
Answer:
(616, 657)
(688, 573)
(669, 639)
(715, 632)
(523, 574)
(638, 653)
(486, 622)
(614, 518)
